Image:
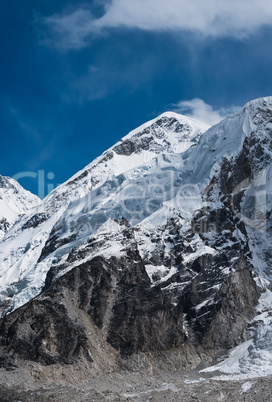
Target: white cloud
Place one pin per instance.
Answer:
(209, 18)
(200, 110)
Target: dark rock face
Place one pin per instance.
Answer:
(43, 332)
(144, 140)
(126, 148)
(118, 302)
(235, 301)
(223, 323)
(5, 183)
(35, 221)
(4, 224)
(115, 301)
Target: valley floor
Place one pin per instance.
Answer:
(17, 385)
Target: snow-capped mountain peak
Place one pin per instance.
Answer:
(14, 201)
(169, 133)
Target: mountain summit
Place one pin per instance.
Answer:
(160, 247)
(14, 201)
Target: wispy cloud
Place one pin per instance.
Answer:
(200, 110)
(69, 31)
(209, 18)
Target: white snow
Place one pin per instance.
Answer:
(246, 386)
(201, 250)
(163, 272)
(253, 358)
(147, 394)
(232, 363)
(14, 201)
(200, 305)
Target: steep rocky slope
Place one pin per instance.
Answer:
(159, 250)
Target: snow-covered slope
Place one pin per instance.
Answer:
(168, 133)
(14, 201)
(20, 251)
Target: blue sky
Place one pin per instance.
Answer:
(75, 77)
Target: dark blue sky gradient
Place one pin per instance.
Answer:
(61, 109)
